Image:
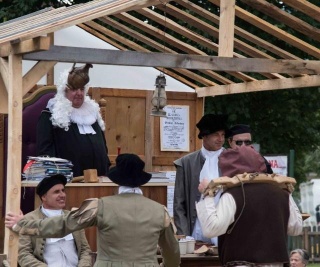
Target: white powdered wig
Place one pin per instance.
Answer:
(63, 113)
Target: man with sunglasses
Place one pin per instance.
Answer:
(240, 135)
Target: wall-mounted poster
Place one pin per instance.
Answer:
(174, 129)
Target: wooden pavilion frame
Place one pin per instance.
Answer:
(237, 53)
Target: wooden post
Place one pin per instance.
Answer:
(50, 74)
(149, 134)
(14, 151)
(226, 28)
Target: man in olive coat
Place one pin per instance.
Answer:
(130, 226)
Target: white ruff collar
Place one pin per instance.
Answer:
(63, 113)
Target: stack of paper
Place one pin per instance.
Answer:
(38, 168)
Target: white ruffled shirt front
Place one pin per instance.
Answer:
(59, 252)
(210, 171)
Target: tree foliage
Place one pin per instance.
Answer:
(280, 120)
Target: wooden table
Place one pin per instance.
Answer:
(77, 192)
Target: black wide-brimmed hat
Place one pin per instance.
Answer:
(238, 129)
(211, 123)
(129, 171)
(46, 183)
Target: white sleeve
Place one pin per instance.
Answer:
(295, 219)
(214, 220)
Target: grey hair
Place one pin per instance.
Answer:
(303, 253)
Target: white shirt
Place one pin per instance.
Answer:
(210, 171)
(215, 220)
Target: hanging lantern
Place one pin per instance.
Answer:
(159, 98)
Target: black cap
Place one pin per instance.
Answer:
(238, 129)
(48, 182)
(211, 123)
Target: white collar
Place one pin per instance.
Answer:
(130, 190)
(208, 154)
(50, 213)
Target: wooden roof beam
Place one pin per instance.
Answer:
(4, 71)
(35, 74)
(275, 31)
(182, 46)
(185, 61)
(305, 7)
(104, 34)
(239, 31)
(226, 28)
(284, 17)
(242, 46)
(66, 17)
(213, 31)
(259, 86)
(37, 44)
(191, 35)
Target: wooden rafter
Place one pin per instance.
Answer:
(305, 7)
(275, 31)
(65, 17)
(284, 17)
(252, 39)
(258, 86)
(105, 34)
(132, 58)
(150, 30)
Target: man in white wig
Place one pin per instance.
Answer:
(71, 126)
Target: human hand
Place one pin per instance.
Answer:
(203, 185)
(12, 218)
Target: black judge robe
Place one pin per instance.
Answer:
(85, 151)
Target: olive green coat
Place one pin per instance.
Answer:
(130, 226)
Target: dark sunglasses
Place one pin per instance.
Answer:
(246, 142)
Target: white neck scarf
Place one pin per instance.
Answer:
(210, 169)
(51, 213)
(129, 190)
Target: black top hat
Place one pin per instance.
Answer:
(211, 123)
(48, 182)
(129, 171)
(238, 129)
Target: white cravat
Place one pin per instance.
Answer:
(51, 213)
(210, 170)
